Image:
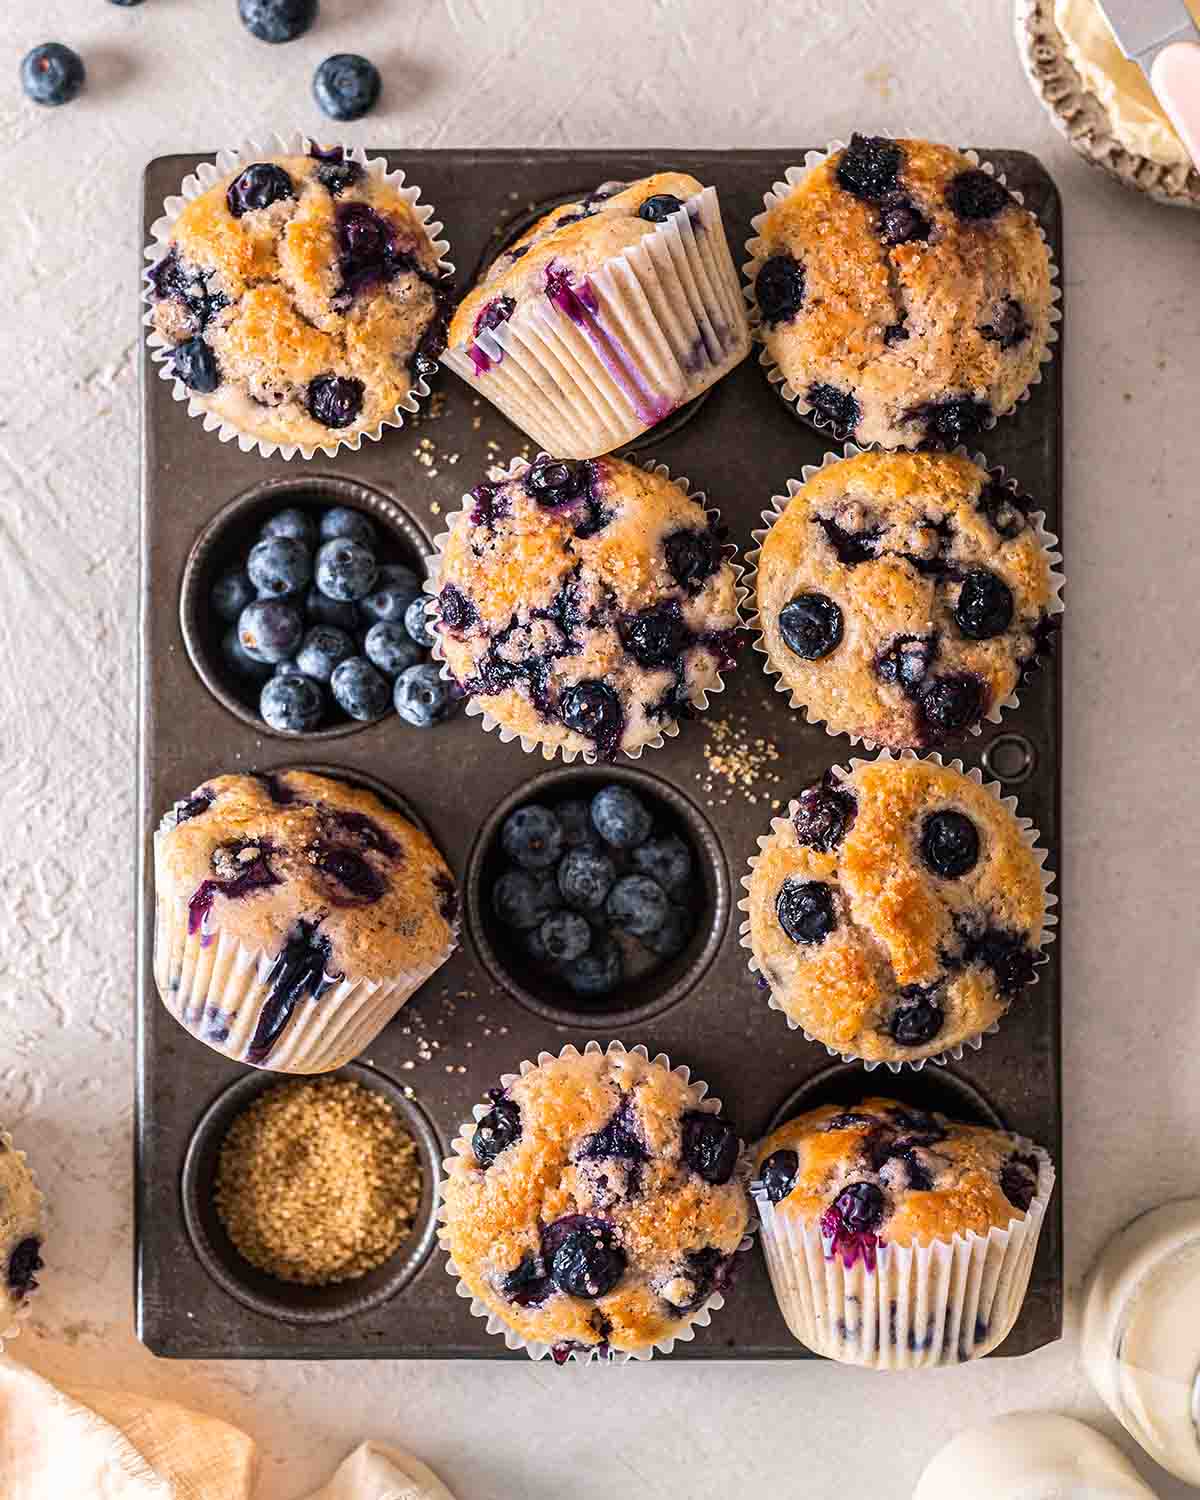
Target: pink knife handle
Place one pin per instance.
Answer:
(1175, 76)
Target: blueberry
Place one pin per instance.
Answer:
(537, 949)
(321, 610)
(258, 186)
(637, 905)
(671, 938)
(916, 1023)
(390, 598)
(422, 698)
(496, 1132)
(565, 936)
(620, 817)
(1005, 509)
(949, 844)
(196, 365)
(778, 1174)
(288, 667)
(852, 547)
(574, 818)
(346, 86)
(667, 860)
(805, 910)
(860, 1207)
(237, 657)
(52, 74)
(294, 523)
(360, 690)
(457, 611)
(586, 1259)
(593, 710)
(24, 1263)
(1006, 954)
(1009, 326)
(654, 637)
(533, 837)
(337, 176)
(389, 647)
(901, 221)
(710, 1146)
(495, 312)
(811, 625)
(1018, 1181)
(345, 569)
(524, 900)
(293, 703)
(554, 481)
(692, 558)
(976, 194)
(950, 703)
(659, 207)
(277, 20)
(279, 565)
(837, 407)
(906, 662)
(985, 605)
(869, 167)
(335, 400)
(527, 1284)
(823, 816)
(585, 878)
(416, 621)
(598, 972)
(323, 648)
(230, 594)
(952, 421)
(270, 629)
(353, 525)
(779, 289)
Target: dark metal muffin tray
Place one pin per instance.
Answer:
(463, 1029)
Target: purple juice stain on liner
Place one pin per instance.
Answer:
(300, 969)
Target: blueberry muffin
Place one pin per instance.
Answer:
(901, 597)
(867, 1185)
(905, 295)
(586, 607)
(605, 316)
(597, 1206)
(295, 915)
(896, 911)
(22, 1232)
(303, 299)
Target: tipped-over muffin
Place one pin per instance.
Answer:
(295, 916)
(586, 607)
(905, 294)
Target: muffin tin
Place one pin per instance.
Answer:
(195, 1299)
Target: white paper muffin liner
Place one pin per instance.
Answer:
(461, 1146)
(1082, 117)
(940, 1303)
(475, 709)
(646, 332)
(754, 246)
(294, 143)
(1029, 837)
(12, 1318)
(779, 503)
(216, 987)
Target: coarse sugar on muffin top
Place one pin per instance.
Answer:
(905, 294)
(302, 297)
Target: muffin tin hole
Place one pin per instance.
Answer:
(641, 994)
(268, 1295)
(847, 1084)
(1010, 758)
(224, 543)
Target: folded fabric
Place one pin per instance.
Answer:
(376, 1472)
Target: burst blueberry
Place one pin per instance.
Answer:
(1008, 326)
(778, 1174)
(869, 167)
(779, 289)
(836, 407)
(345, 569)
(692, 558)
(292, 704)
(901, 222)
(532, 837)
(416, 621)
(585, 878)
(976, 195)
(258, 186)
(823, 815)
(323, 649)
(52, 74)
(346, 86)
(277, 20)
(620, 817)
(985, 605)
(952, 421)
(906, 662)
(805, 910)
(811, 626)
(553, 481)
(279, 565)
(860, 1208)
(335, 400)
(593, 710)
(710, 1146)
(24, 1262)
(389, 647)
(499, 1129)
(196, 365)
(421, 697)
(916, 1022)
(950, 704)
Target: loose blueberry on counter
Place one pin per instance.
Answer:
(270, 629)
(659, 207)
(975, 195)
(416, 621)
(951, 703)
(324, 647)
(345, 569)
(778, 1174)
(919, 1020)
(292, 704)
(321, 610)
(389, 647)
(565, 935)
(346, 86)
(671, 938)
(985, 605)
(293, 523)
(533, 837)
(811, 626)
(23, 1265)
(593, 710)
(52, 74)
(496, 1132)
(838, 407)
(637, 905)
(597, 972)
(668, 860)
(585, 877)
(279, 565)
(779, 289)
(258, 186)
(710, 1146)
(360, 690)
(869, 167)
(196, 365)
(237, 657)
(343, 521)
(335, 400)
(823, 816)
(949, 844)
(422, 698)
(805, 910)
(523, 900)
(277, 20)
(620, 817)
(230, 594)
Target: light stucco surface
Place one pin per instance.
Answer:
(174, 75)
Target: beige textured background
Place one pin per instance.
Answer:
(172, 75)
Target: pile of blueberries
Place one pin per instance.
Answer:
(593, 891)
(314, 619)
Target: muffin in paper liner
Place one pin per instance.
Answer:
(205, 176)
(935, 1302)
(754, 246)
(998, 476)
(697, 702)
(283, 1005)
(22, 1235)
(605, 358)
(461, 1146)
(1029, 836)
